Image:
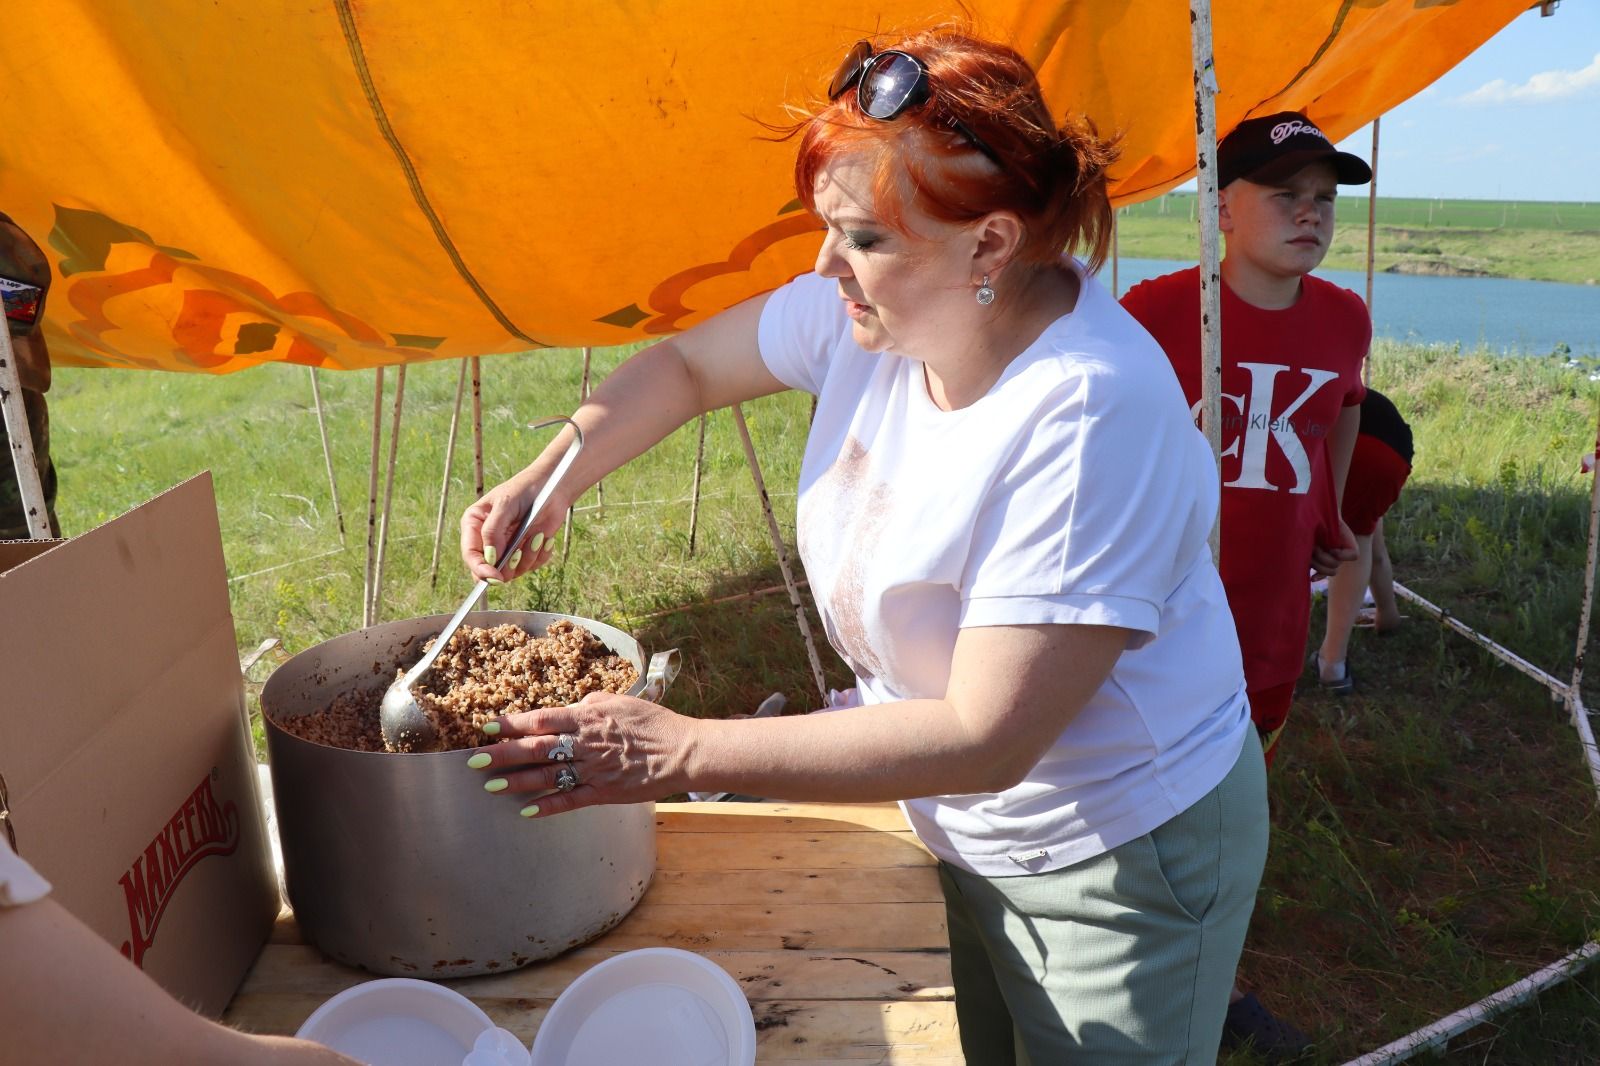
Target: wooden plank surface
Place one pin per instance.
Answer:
(828, 916)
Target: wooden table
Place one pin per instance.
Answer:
(828, 915)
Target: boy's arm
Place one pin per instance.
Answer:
(1341, 445)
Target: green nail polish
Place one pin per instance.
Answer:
(536, 542)
(516, 557)
(495, 581)
(530, 810)
(490, 554)
(499, 784)
(491, 728)
(478, 761)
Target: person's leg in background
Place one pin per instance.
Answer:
(1346, 589)
(1388, 616)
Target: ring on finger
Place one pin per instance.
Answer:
(562, 752)
(566, 779)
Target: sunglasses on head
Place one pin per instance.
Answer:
(888, 84)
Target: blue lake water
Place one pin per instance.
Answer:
(1501, 314)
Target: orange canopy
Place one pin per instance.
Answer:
(344, 184)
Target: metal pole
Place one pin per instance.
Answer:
(444, 487)
(21, 437)
(372, 497)
(783, 555)
(1205, 92)
(327, 453)
(694, 498)
(1372, 229)
(388, 489)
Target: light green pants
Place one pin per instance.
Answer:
(1125, 958)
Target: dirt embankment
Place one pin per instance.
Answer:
(1441, 266)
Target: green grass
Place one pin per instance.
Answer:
(1540, 240)
(1435, 836)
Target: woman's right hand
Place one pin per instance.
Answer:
(489, 524)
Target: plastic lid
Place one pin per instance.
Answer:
(658, 1005)
(398, 1021)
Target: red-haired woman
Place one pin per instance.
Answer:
(1003, 514)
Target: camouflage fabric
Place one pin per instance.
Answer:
(13, 519)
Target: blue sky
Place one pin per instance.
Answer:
(1519, 119)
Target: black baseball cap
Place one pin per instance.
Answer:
(1274, 147)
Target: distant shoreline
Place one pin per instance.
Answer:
(1532, 241)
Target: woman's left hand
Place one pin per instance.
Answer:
(622, 750)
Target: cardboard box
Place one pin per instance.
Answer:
(126, 765)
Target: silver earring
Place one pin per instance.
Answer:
(985, 294)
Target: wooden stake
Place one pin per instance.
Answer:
(1116, 288)
(783, 555)
(477, 428)
(694, 498)
(444, 487)
(388, 489)
(372, 497)
(1586, 612)
(327, 453)
(583, 396)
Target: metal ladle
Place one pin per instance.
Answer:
(406, 727)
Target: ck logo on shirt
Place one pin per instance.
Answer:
(1259, 430)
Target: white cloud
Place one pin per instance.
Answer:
(1542, 87)
(1473, 152)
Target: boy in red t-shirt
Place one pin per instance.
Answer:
(1292, 349)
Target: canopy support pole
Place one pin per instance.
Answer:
(444, 485)
(694, 498)
(18, 432)
(783, 555)
(388, 490)
(1205, 93)
(372, 497)
(327, 453)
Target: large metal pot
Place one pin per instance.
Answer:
(403, 864)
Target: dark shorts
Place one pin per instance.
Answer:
(1377, 473)
(13, 519)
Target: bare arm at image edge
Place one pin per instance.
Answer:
(68, 996)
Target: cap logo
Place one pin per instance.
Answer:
(1284, 130)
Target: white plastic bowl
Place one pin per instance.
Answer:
(660, 1006)
(398, 1021)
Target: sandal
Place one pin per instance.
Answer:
(1250, 1024)
(1338, 686)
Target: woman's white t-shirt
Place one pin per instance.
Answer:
(1076, 491)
